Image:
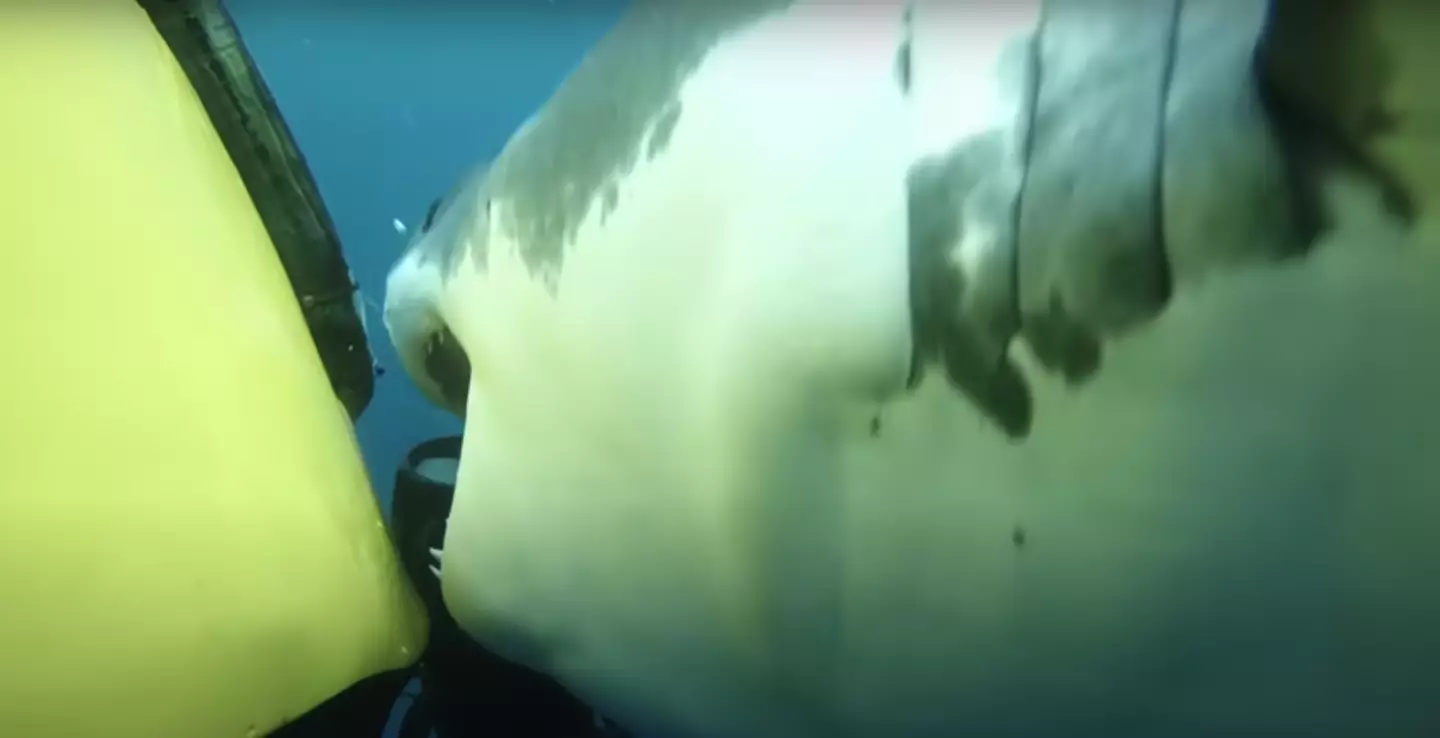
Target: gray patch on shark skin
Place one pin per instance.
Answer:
(1091, 231)
(1226, 195)
(592, 131)
(963, 317)
(903, 56)
(664, 128)
(611, 200)
(461, 216)
(963, 324)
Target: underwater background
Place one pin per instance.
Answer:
(390, 102)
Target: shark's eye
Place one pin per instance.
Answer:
(430, 215)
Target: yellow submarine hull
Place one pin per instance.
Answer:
(189, 546)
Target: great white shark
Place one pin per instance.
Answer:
(918, 370)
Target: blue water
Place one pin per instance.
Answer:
(391, 101)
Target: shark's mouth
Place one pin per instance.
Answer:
(448, 367)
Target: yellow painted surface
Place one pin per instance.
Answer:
(189, 546)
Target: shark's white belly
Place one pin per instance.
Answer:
(695, 489)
